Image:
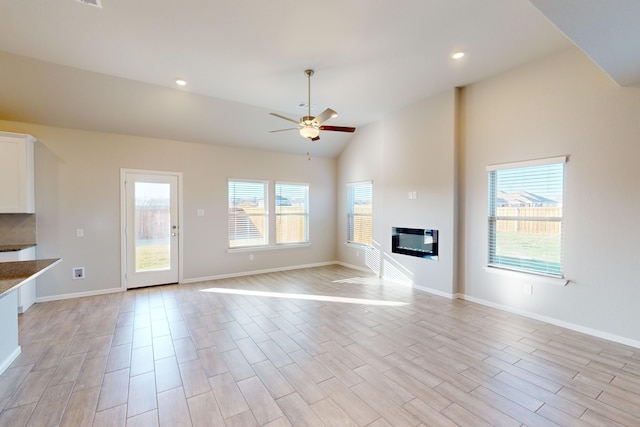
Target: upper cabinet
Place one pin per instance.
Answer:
(17, 194)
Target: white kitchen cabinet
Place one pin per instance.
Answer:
(17, 193)
(27, 292)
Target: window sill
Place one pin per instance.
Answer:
(359, 246)
(557, 281)
(268, 248)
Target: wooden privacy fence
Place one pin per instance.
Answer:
(537, 226)
(291, 225)
(153, 223)
(362, 224)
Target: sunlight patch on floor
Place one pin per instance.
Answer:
(361, 281)
(310, 297)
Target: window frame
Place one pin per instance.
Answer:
(304, 215)
(493, 217)
(352, 215)
(265, 214)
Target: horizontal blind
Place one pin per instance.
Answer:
(359, 213)
(292, 213)
(248, 213)
(526, 218)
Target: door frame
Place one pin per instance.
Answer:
(123, 220)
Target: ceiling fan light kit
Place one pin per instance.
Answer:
(309, 132)
(310, 126)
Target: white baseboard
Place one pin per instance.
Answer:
(4, 364)
(254, 272)
(79, 295)
(354, 267)
(434, 291)
(550, 320)
(546, 319)
(553, 321)
(184, 281)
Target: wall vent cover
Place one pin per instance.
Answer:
(95, 3)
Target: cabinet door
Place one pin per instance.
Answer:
(16, 173)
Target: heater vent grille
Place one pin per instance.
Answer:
(94, 3)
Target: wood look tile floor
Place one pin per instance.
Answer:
(325, 346)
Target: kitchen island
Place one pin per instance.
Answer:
(12, 276)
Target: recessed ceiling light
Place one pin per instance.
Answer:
(181, 82)
(457, 55)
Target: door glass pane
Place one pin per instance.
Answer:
(152, 226)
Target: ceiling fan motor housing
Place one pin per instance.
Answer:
(309, 121)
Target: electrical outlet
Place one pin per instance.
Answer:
(78, 273)
(251, 257)
(80, 232)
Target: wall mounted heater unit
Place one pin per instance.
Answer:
(418, 242)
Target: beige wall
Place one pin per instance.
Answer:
(561, 105)
(78, 186)
(413, 149)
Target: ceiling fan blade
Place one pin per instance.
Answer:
(325, 115)
(285, 118)
(282, 130)
(338, 128)
(316, 138)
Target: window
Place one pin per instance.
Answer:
(248, 214)
(525, 216)
(292, 213)
(359, 210)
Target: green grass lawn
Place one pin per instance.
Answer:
(544, 247)
(529, 250)
(152, 257)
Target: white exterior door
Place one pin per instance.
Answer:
(151, 228)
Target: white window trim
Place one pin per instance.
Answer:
(528, 163)
(307, 214)
(538, 277)
(353, 184)
(267, 213)
(548, 278)
(358, 245)
(273, 247)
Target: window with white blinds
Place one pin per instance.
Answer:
(525, 216)
(248, 213)
(292, 213)
(359, 213)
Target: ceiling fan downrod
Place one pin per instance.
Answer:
(308, 73)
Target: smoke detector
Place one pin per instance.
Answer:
(94, 3)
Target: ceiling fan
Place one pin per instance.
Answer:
(309, 126)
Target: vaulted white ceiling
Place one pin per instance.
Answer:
(607, 31)
(113, 69)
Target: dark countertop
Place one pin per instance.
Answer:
(15, 274)
(14, 248)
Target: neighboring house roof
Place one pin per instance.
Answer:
(523, 198)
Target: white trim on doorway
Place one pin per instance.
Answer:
(123, 222)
